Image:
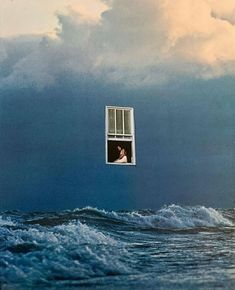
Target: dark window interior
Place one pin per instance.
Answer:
(113, 153)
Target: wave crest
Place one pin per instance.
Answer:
(169, 217)
(6, 222)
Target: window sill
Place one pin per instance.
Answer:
(121, 164)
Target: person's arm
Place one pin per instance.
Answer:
(122, 154)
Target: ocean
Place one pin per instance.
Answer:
(175, 247)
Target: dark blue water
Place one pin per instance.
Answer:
(172, 248)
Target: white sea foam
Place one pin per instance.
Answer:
(81, 233)
(6, 221)
(184, 217)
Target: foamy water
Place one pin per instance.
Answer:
(173, 248)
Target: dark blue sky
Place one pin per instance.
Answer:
(53, 151)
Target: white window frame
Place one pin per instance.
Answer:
(128, 137)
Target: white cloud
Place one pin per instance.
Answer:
(197, 34)
(224, 10)
(21, 17)
(136, 43)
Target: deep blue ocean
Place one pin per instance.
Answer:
(176, 247)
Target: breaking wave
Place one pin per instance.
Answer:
(72, 251)
(169, 217)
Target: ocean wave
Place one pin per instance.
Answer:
(169, 217)
(81, 246)
(69, 251)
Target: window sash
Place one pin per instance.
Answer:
(119, 122)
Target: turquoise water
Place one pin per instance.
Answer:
(175, 247)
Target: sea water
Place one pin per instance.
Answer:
(175, 247)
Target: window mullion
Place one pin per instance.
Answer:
(115, 121)
(123, 132)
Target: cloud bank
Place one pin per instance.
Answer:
(135, 43)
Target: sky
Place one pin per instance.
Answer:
(93, 51)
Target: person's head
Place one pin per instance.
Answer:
(119, 148)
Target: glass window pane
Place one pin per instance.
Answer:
(111, 125)
(127, 122)
(119, 120)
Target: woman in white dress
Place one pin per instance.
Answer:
(122, 155)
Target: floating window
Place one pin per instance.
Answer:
(120, 136)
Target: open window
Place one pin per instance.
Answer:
(120, 135)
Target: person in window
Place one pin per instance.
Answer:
(122, 155)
